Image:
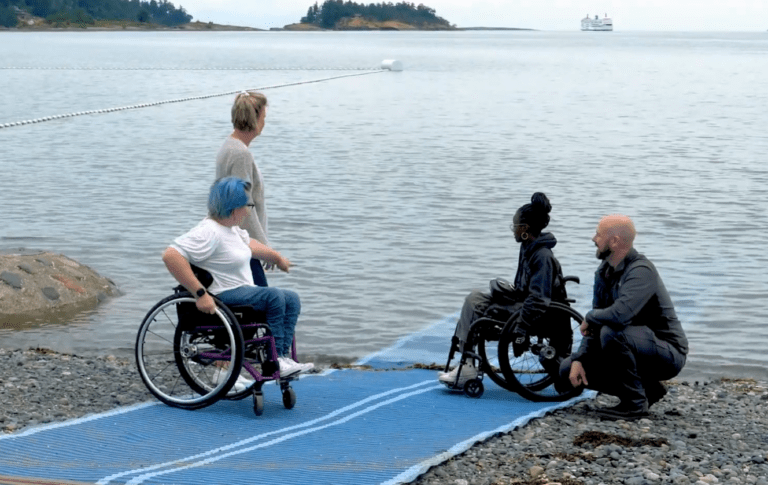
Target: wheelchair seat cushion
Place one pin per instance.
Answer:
(246, 314)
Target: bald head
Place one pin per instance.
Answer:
(620, 226)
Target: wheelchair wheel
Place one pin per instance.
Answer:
(487, 347)
(258, 403)
(474, 388)
(178, 362)
(289, 398)
(532, 375)
(255, 354)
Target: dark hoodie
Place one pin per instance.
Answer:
(539, 277)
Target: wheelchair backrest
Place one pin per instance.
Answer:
(203, 276)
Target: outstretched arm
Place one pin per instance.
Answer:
(265, 253)
(180, 269)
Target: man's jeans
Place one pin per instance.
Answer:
(281, 306)
(628, 362)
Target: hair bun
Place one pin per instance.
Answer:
(540, 200)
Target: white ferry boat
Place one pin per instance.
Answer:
(605, 24)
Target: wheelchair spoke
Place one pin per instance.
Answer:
(176, 362)
(533, 373)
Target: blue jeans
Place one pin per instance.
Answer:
(281, 306)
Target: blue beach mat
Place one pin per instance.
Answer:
(383, 426)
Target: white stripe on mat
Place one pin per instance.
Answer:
(142, 478)
(84, 419)
(333, 414)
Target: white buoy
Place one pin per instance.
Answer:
(392, 65)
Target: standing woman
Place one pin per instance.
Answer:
(249, 113)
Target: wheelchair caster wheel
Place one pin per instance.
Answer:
(258, 404)
(474, 388)
(289, 398)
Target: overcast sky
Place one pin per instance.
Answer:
(669, 15)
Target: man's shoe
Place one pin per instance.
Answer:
(655, 392)
(627, 412)
(287, 367)
(468, 372)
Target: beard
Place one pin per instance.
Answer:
(603, 255)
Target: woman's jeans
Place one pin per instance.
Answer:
(281, 306)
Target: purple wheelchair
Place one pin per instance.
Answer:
(190, 360)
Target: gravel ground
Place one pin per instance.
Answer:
(701, 433)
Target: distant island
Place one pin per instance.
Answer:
(341, 15)
(90, 13)
(42, 15)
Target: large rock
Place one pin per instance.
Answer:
(46, 286)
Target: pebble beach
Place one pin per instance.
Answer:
(701, 433)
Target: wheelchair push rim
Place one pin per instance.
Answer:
(179, 363)
(526, 374)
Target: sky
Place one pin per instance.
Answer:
(557, 15)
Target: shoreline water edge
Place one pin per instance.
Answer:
(701, 433)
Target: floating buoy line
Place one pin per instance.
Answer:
(64, 68)
(387, 65)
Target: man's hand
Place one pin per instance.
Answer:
(578, 376)
(206, 304)
(519, 341)
(584, 328)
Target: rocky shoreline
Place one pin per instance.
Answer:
(701, 433)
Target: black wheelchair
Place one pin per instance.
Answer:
(533, 374)
(189, 359)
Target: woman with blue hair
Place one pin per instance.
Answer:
(218, 245)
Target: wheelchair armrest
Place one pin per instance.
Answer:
(571, 278)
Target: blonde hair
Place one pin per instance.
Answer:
(246, 110)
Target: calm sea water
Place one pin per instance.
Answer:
(393, 192)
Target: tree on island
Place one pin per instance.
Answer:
(81, 12)
(7, 17)
(331, 11)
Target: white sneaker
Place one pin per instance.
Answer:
(243, 381)
(304, 367)
(220, 375)
(468, 372)
(287, 367)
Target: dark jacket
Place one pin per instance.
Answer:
(539, 277)
(634, 294)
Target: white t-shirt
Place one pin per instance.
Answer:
(222, 251)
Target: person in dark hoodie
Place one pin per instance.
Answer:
(632, 336)
(537, 282)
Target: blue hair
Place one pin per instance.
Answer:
(227, 194)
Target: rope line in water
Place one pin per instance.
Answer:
(192, 98)
(43, 68)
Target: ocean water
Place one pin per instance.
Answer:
(392, 192)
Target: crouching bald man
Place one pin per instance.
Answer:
(632, 337)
